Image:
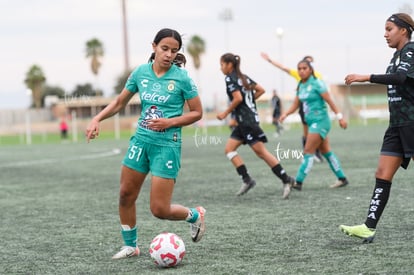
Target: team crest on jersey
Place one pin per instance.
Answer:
(171, 86)
(151, 113)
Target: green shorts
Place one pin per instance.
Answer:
(161, 161)
(321, 127)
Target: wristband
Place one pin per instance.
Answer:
(339, 116)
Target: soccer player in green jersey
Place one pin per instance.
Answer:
(295, 74)
(313, 94)
(242, 92)
(163, 88)
(398, 143)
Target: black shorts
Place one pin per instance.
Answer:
(276, 114)
(399, 142)
(302, 114)
(249, 134)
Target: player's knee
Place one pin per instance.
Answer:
(382, 173)
(159, 212)
(231, 155)
(126, 197)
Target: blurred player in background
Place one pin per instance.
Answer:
(294, 73)
(398, 143)
(277, 110)
(313, 95)
(155, 147)
(63, 126)
(242, 93)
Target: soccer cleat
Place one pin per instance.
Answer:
(317, 157)
(359, 231)
(126, 252)
(290, 181)
(246, 186)
(297, 186)
(198, 228)
(287, 187)
(286, 191)
(340, 183)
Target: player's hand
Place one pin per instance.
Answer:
(282, 117)
(92, 131)
(221, 116)
(343, 123)
(159, 124)
(356, 78)
(265, 56)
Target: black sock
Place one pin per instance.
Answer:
(242, 171)
(378, 202)
(280, 173)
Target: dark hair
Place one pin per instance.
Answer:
(403, 20)
(235, 60)
(308, 57)
(180, 60)
(163, 33)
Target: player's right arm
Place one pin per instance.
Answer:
(92, 131)
(275, 63)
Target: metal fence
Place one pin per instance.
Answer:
(12, 121)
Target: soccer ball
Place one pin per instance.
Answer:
(167, 249)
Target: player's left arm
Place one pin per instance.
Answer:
(328, 99)
(237, 99)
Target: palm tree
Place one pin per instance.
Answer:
(195, 48)
(94, 50)
(35, 78)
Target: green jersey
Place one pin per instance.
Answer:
(161, 97)
(314, 106)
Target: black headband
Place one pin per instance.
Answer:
(401, 23)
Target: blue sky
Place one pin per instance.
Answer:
(343, 37)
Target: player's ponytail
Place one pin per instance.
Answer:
(235, 60)
(152, 57)
(180, 60)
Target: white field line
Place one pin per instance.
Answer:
(105, 154)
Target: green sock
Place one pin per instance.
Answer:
(305, 167)
(130, 236)
(334, 164)
(192, 215)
